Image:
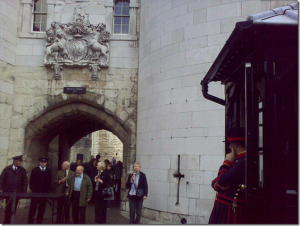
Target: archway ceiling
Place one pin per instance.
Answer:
(76, 126)
(72, 121)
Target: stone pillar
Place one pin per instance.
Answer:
(63, 153)
(53, 157)
(50, 12)
(27, 11)
(109, 5)
(132, 20)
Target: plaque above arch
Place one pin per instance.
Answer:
(77, 44)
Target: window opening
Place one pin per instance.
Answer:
(121, 17)
(39, 19)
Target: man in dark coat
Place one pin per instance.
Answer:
(118, 172)
(61, 178)
(13, 179)
(80, 191)
(229, 206)
(40, 182)
(77, 163)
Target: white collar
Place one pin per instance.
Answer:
(42, 168)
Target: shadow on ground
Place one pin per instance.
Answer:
(114, 215)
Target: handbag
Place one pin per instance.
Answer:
(112, 197)
(106, 193)
(139, 192)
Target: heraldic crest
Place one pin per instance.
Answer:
(77, 44)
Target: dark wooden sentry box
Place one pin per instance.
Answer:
(258, 66)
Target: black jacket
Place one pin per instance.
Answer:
(11, 180)
(112, 177)
(40, 181)
(118, 171)
(142, 183)
(91, 171)
(104, 176)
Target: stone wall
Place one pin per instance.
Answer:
(83, 146)
(107, 145)
(9, 10)
(8, 45)
(29, 93)
(7, 91)
(100, 142)
(26, 93)
(179, 40)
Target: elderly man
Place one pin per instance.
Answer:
(60, 180)
(40, 182)
(138, 192)
(13, 178)
(80, 192)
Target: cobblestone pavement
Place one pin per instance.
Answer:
(114, 215)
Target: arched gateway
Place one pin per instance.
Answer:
(69, 120)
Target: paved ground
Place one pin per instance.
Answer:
(114, 216)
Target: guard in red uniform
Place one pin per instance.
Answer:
(229, 206)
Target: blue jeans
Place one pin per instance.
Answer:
(135, 206)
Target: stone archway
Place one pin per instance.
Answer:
(71, 120)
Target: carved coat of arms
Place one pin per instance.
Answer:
(77, 44)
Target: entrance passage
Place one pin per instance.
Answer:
(54, 133)
(102, 142)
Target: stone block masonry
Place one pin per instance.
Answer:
(107, 145)
(150, 95)
(179, 41)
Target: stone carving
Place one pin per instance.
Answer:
(94, 68)
(57, 68)
(77, 44)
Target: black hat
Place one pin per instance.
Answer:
(19, 157)
(43, 159)
(235, 134)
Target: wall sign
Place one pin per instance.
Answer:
(75, 90)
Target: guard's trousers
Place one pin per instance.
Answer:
(8, 211)
(41, 205)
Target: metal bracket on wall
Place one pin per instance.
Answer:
(179, 175)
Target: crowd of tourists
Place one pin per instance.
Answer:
(80, 184)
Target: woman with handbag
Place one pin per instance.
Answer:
(102, 181)
(138, 192)
(112, 185)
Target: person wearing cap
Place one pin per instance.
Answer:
(77, 163)
(63, 207)
(229, 205)
(13, 179)
(98, 158)
(40, 182)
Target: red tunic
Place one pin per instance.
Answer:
(225, 210)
